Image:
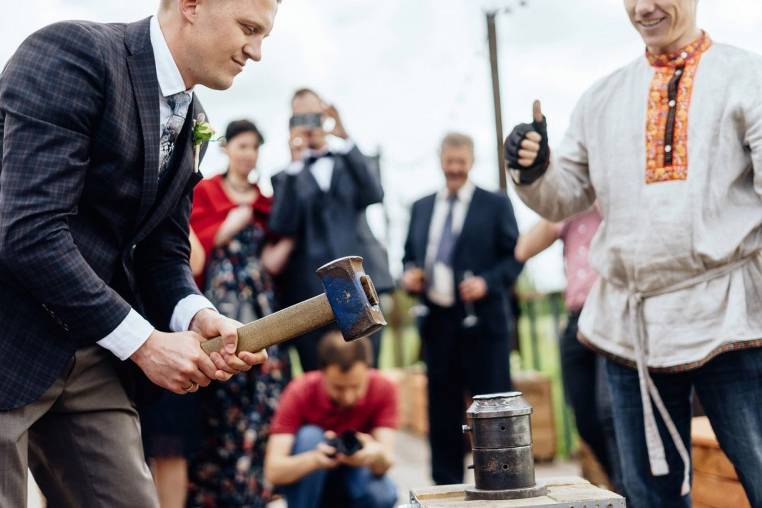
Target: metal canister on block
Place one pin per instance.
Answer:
(501, 440)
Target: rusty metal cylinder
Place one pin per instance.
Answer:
(507, 468)
(501, 440)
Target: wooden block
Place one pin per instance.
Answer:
(713, 462)
(536, 389)
(707, 455)
(418, 416)
(592, 470)
(718, 492)
(397, 377)
(702, 433)
(562, 493)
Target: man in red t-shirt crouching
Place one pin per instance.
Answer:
(332, 437)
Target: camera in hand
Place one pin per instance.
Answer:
(309, 120)
(345, 444)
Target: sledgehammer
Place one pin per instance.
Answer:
(350, 300)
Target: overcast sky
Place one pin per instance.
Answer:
(404, 72)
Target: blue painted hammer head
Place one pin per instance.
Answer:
(352, 296)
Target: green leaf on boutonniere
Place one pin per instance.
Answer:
(202, 130)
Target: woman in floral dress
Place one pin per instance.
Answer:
(229, 217)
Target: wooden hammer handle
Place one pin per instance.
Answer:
(280, 326)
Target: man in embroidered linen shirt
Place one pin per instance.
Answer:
(679, 302)
(96, 180)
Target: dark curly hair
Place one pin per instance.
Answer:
(237, 127)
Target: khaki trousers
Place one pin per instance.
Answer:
(81, 440)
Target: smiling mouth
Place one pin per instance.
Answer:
(651, 24)
(239, 64)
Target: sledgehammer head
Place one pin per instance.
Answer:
(352, 296)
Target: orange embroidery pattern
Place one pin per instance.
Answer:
(667, 161)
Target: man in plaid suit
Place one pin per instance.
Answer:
(96, 175)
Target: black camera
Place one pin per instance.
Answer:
(345, 444)
(309, 120)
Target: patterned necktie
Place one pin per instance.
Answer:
(178, 103)
(448, 237)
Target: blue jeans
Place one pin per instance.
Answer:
(356, 487)
(730, 390)
(587, 392)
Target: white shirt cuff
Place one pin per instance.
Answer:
(185, 310)
(294, 168)
(126, 338)
(344, 146)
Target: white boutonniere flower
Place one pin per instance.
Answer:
(203, 132)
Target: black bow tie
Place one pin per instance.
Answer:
(313, 158)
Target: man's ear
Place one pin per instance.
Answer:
(189, 9)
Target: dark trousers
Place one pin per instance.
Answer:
(730, 389)
(587, 392)
(458, 361)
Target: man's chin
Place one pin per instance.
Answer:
(656, 43)
(455, 183)
(220, 83)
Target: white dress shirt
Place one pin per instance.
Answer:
(134, 330)
(167, 73)
(441, 286)
(322, 169)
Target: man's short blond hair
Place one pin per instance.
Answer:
(167, 4)
(457, 140)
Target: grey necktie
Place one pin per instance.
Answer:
(178, 103)
(448, 237)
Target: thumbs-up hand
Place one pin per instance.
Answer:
(526, 148)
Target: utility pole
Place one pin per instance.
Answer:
(492, 38)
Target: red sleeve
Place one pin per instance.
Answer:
(387, 414)
(288, 417)
(204, 220)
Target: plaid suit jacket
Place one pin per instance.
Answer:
(87, 227)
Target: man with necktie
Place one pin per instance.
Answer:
(459, 260)
(97, 171)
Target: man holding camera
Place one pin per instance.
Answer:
(332, 438)
(320, 202)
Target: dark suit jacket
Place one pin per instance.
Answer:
(87, 228)
(327, 225)
(485, 247)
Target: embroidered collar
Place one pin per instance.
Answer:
(681, 56)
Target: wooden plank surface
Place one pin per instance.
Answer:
(562, 492)
(714, 462)
(718, 492)
(702, 433)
